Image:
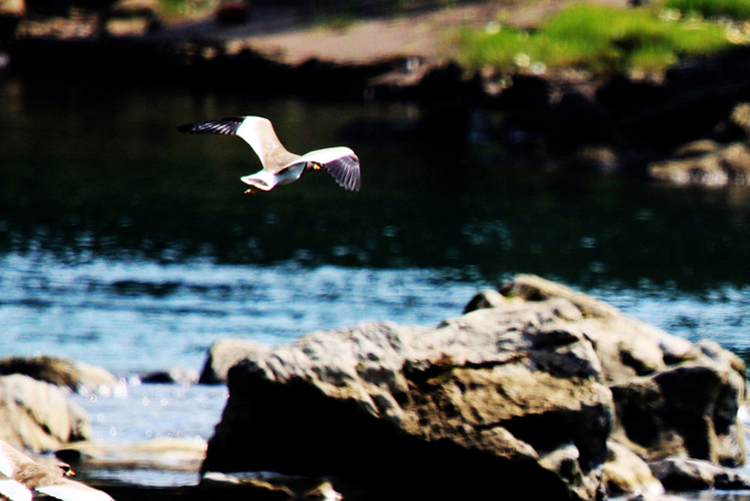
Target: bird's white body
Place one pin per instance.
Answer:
(20, 475)
(265, 178)
(279, 165)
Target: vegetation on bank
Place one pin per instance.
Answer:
(331, 8)
(734, 9)
(603, 39)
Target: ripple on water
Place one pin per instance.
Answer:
(132, 316)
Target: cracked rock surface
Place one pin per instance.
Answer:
(525, 389)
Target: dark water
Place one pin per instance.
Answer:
(129, 245)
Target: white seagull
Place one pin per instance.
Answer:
(279, 165)
(19, 475)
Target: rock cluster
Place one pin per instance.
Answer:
(37, 416)
(535, 387)
(35, 413)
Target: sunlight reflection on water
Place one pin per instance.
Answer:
(135, 316)
(139, 316)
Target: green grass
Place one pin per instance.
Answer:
(735, 9)
(597, 38)
(186, 8)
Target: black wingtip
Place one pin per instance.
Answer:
(227, 125)
(345, 171)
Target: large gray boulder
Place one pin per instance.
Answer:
(515, 394)
(37, 416)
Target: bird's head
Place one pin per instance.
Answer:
(67, 471)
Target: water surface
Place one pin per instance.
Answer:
(128, 245)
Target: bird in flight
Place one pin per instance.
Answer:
(279, 165)
(19, 475)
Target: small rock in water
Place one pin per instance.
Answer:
(177, 454)
(267, 485)
(178, 375)
(625, 472)
(726, 165)
(77, 376)
(223, 354)
(681, 474)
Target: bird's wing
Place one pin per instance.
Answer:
(345, 171)
(259, 134)
(227, 126)
(10, 459)
(69, 490)
(256, 131)
(340, 162)
(15, 491)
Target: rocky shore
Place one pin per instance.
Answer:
(687, 126)
(535, 388)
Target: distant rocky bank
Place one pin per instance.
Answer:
(689, 126)
(536, 389)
